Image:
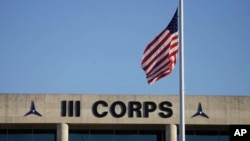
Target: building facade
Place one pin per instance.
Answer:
(75, 117)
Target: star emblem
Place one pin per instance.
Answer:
(33, 110)
(200, 112)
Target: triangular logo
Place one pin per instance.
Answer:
(200, 112)
(33, 110)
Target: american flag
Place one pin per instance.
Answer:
(159, 57)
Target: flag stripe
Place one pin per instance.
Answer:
(166, 50)
(155, 48)
(159, 56)
(160, 68)
(160, 75)
(162, 56)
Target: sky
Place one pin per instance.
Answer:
(96, 46)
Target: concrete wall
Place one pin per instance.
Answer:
(220, 109)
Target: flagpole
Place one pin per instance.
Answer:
(182, 86)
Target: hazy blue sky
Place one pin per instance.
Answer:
(96, 46)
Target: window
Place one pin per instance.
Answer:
(27, 135)
(44, 135)
(3, 135)
(78, 135)
(101, 135)
(207, 136)
(19, 135)
(124, 135)
(115, 135)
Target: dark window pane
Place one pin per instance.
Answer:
(117, 135)
(224, 138)
(78, 135)
(3, 135)
(188, 138)
(149, 135)
(44, 135)
(19, 135)
(101, 135)
(208, 136)
(126, 135)
(141, 135)
(147, 138)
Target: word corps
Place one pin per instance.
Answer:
(131, 109)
